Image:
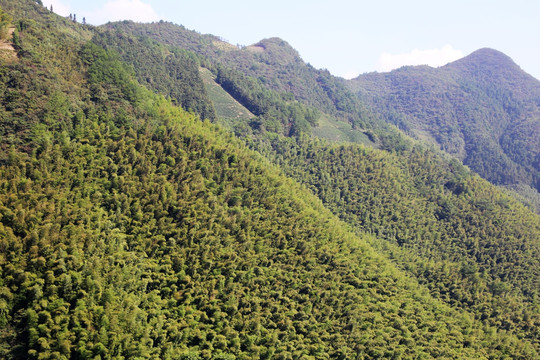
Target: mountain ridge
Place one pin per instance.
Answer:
(240, 79)
(477, 108)
(132, 228)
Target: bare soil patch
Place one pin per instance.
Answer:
(6, 46)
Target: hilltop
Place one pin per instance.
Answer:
(483, 109)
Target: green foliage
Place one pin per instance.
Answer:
(216, 256)
(434, 218)
(48, 63)
(131, 229)
(5, 23)
(271, 64)
(482, 109)
(106, 70)
(167, 70)
(276, 112)
(229, 111)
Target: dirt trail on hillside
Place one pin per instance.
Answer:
(8, 45)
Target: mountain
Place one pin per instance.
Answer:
(271, 103)
(483, 109)
(136, 221)
(272, 63)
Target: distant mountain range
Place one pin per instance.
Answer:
(483, 109)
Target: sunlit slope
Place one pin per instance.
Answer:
(129, 228)
(483, 109)
(227, 108)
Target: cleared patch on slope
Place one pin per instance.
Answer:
(227, 108)
(223, 45)
(7, 51)
(340, 131)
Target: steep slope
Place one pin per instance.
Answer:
(472, 246)
(174, 241)
(489, 123)
(258, 60)
(272, 61)
(451, 251)
(483, 109)
(38, 87)
(229, 111)
(131, 229)
(168, 71)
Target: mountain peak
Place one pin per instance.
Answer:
(277, 51)
(489, 57)
(487, 62)
(492, 66)
(275, 42)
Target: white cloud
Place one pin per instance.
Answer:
(117, 10)
(58, 7)
(431, 57)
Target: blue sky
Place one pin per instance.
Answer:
(344, 36)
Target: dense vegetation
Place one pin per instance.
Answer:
(42, 88)
(5, 23)
(432, 215)
(273, 62)
(164, 242)
(168, 70)
(483, 109)
(426, 214)
(129, 228)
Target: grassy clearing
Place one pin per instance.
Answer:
(340, 131)
(227, 108)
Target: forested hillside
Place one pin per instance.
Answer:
(483, 109)
(474, 247)
(424, 209)
(273, 62)
(167, 70)
(130, 227)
